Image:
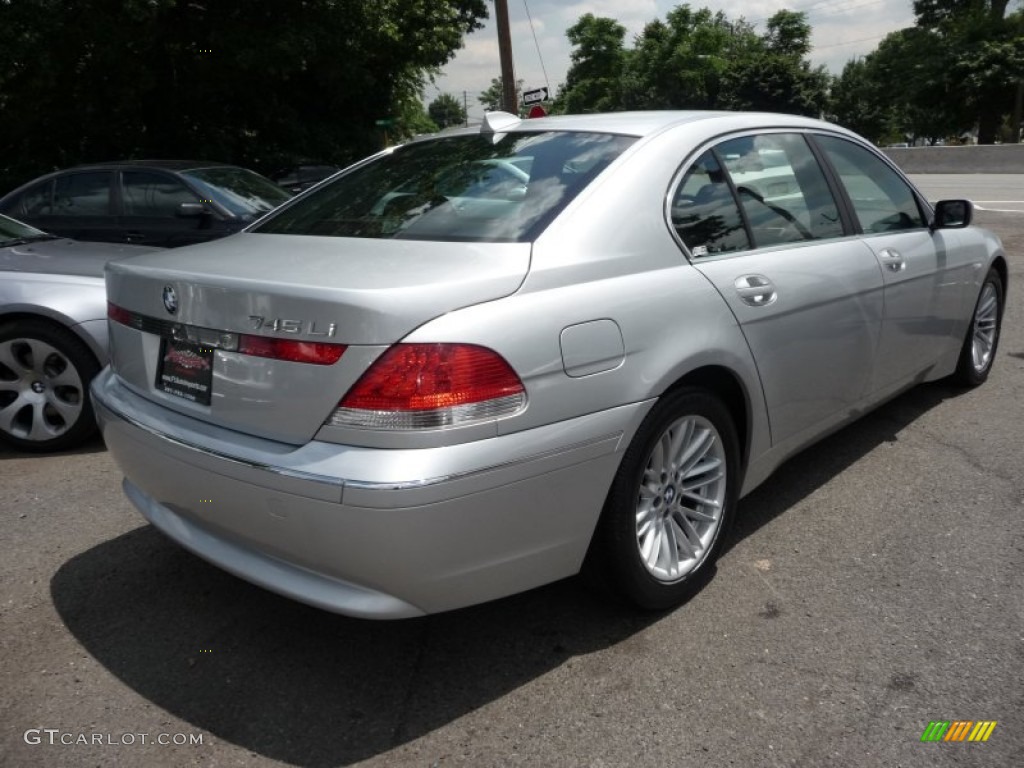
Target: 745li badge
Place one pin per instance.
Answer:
(281, 325)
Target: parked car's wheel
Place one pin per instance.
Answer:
(44, 387)
(979, 349)
(671, 502)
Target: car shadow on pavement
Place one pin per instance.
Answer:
(300, 685)
(92, 445)
(311, 688)
(807, 471)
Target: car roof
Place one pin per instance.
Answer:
(166, 165)
(646, 123)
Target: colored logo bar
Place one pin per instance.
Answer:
(958, 730)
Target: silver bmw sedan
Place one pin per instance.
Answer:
(477, 363)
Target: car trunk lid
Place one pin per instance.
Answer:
(291, 291)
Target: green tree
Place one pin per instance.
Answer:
(981, 45)
(858, 104)
(491, 98)
(679, 63)
(446, 111)
(777, 77)
(228, 80)
(594, 80)
(412, 119)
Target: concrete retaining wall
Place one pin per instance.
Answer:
(996, 158)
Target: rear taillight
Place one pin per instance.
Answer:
(424, 386)
(315, 352)
(119, 314)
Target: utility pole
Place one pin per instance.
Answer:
(509, 100)
(465, 109)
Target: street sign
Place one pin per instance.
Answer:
(383, 122)
(535, 96)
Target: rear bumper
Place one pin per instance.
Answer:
(370, 532)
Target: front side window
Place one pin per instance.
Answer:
(35, 201)
(493, 188)
(882, 201)
(145, 193)
(82, 194)
(244, 193)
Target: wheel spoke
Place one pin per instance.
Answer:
(650, 547)
(8, 360)
(699, 449)
(10, 413)
(682, 435)
(682, 540)
(67, 378)
(40, 429)
(69, 411)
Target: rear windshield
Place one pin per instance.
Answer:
(495, 188)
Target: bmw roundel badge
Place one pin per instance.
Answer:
(170, 299)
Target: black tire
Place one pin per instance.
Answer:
(617, 553)
(983, 333)
(45, 372)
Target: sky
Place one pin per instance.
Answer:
(841, 30)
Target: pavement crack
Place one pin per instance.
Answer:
(399, 733)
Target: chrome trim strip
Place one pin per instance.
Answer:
(413, 484)
(364, 485)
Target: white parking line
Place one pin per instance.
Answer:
(998, 210)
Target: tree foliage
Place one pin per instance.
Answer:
(694, 59)
(491, 98)
(959, 68)
(446, 111)
(593, 82)
(258, 82)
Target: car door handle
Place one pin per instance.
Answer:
(892, 259)
(755, 290)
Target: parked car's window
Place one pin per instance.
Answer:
(881, 199)
(35, 201)
(782, 188)
(704, 211)
(243, 192)
(145, 193)
(82, 194)
(478, 188)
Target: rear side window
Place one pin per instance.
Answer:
(882, 201)
(82, 194)
(145, 193)
(498, 188)
(704, 211)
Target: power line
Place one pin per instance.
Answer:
(536, 44)
(851, 42)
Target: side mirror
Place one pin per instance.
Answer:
(952, 214)
(191, 210)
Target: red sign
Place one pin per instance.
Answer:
(537, 111)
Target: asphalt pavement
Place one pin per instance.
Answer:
(873, 585)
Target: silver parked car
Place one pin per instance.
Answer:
(53, 334)
(426, 384)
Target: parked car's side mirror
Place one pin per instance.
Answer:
(952, 214)
(192, 210)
